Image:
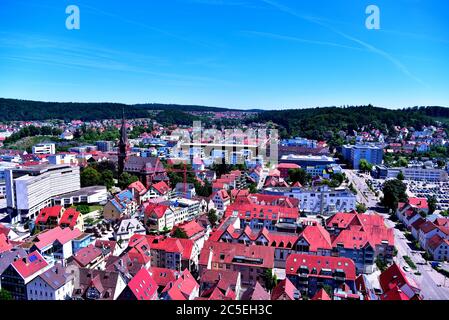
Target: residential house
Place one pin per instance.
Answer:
(123, 204)
(53, 284)
(251, 261)
(141, 287)
(98, 285)
(21, 272)
(126, 228)
(221, 200)
(310, 273)
(396, 286)
(285, 290)
(227, 282)
(159, 190)
(184, 287)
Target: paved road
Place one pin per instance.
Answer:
(364, 194)
(430, 281)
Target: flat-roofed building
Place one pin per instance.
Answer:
(29, 189)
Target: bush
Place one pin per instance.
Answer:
(410, 262)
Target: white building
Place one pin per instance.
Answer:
(89, 195)
(28, 190)
(320, 200)
(44, 148)
(65, 158)
(127, 228)
(53, 284)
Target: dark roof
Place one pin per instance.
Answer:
(56, 277)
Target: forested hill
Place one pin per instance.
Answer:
(322, 122)
(312, 122)
(16, 110)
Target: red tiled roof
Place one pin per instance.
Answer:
(161, 187)
(268, 212)
(69, 217)
(139, 187)
(158, 209)
(182, 288)
(61, 235)
(295, 261)
(33, 263)
(181, 246)
(419, 203)
(4, 243)
(317, 237)
(394, 294)
(435, 242)
(46, 213)
(321, 295)
(226, 252)
(427, 226)
(284, 287)
(393, 277)
(86, 255)
(162, 276)
(191, 228)
(143, 286)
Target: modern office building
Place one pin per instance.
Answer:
(44, 148)
(30, 189)
(355, 153)
(104, 146)
(411, 173)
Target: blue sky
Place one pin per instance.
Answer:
(269, 54)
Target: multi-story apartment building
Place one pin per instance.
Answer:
(28, 190)
(369, 152)
(319, 200)
(44, 148)
(104, 146)
(310, 273)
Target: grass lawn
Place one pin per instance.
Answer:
(410, 262)
(90, 208)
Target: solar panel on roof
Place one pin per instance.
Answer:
(32, 258)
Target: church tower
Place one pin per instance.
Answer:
(122, 146)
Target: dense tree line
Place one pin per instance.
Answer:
(325, 123)
(23, 110)
(32, 131)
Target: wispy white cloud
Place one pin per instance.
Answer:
(41, 50)
(318, 21)
(301, 40)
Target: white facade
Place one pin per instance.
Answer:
(30, 190)
(44, 148)
(38, 289)
(322, 200)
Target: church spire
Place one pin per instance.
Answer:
(123, 145)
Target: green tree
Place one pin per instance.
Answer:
(212, 216)
(83, 208)
(269, 279)
(402, 162)
(179, 233)
(432, 203)
(299, 175)
(126, 179)
(5, 295)
(361, 208)
(90, 177)
(107, 179)
(394, 191)
(400, 176)
(365, 166)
